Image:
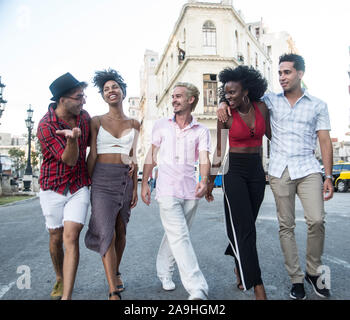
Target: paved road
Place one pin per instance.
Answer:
(24, 242)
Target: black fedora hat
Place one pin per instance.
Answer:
(63, 84)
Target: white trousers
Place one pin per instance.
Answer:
(177, 217)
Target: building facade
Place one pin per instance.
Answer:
(134, 108)
(148, 112)
(8, 141)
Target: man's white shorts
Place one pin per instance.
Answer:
(58, 208)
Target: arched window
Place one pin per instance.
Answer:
(249, 62)
(237, 41)
(209, 37)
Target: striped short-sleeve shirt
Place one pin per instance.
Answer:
(294, 134)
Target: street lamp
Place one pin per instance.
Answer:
(2, 101)
(2, 108)
(28, 174)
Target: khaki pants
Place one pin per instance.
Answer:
(310, 191)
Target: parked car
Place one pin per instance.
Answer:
(338, 168)
(336, 171)
(342, 183)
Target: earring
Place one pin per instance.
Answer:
(246, 100)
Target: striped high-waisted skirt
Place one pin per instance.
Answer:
(111, 194)
(244, 188)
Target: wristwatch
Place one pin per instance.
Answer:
(329, 177)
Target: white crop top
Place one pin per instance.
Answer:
(107, 143)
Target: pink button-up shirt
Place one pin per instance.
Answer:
(178, 153)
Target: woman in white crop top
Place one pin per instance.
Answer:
(111, 162)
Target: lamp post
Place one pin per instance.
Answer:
(28, 174)
(2, 101)
(2, 108)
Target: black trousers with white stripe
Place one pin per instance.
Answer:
(244, 188)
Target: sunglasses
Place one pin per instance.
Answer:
(78, 98)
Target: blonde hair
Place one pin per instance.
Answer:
(192, 91)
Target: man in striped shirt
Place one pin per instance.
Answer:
(297, 121)
(64, 194)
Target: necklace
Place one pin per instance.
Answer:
(108, 116)
(244, 114)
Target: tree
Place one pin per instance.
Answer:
(35, 158)
(18, 157)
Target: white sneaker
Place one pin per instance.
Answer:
(198, 296)
(168, 284)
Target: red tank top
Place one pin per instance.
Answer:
(240, 135)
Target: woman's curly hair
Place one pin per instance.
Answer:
(101, 77)
(249, 78)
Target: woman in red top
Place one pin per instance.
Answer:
(244, 179)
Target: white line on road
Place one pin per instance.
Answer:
(274, 218)
(337, 261)
(16, 222)
(5, 289)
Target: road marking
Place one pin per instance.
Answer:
(15, 222)
(5, 289)
(337, 261)
(274, 218)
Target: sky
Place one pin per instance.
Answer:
(41, 40)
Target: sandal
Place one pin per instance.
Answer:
(120, 287)
(115, 293)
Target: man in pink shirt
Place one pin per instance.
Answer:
(178, 143)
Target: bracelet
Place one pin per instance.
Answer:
(329, 177)
(207, 178)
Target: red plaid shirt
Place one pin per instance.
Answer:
(55, 174)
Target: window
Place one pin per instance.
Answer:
(210, 87)
(209, 38)
(181, 53)
(248, 54)
(237, 41)
(257, 32)
(269, 51)
(167, 73)
(337, 168)
(346, 167)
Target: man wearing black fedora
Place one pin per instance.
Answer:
(64, 180)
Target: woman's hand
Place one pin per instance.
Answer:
(134, 199)
(132, 167)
